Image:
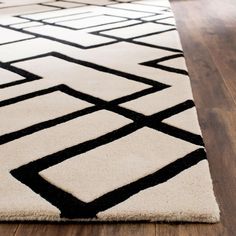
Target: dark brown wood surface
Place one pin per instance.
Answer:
(208, 34)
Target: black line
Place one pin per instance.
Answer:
(61, 87)
(149, 121)
(118, 27)
(100, 45)
(154, 33)
(72, 207)
(154, 121)
(180, 133)
(160, 176)
(138, 11)
(49, 11)
(30, 58)
(19, 23)
(85, 4)
(167, 10)
(101, 33)
(47, 191)
(172, 110)
(13, 83)
(45, 19)
(154, 63)
(164, 18)
(17, 41)
(28, 174)
(101, 14)
(166, 58)
(74, 28)
(6, 138)
(140, 120)
(85, 17)
(47, 23)
(163, 23)
(152, 5)
(23, 5)
(156, 46)
(71, 7)
(19, 71)
(174, 70)
(97, 67)
(72, 44)
(135, 95)
(48, 5)
(60, 156)
(89, 27)
(101, 104)
(130, 40)
(28, 76)
(111, 71)
(28, 96)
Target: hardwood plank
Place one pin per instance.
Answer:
(219, 135)
(224, 56)
(201, 229)
(167, 229)
(8, 229)
(205, 77)
(96, 229)
(188, 229)
(218, 32)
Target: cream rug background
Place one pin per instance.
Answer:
(97, 115)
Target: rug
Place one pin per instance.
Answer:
(97, 115)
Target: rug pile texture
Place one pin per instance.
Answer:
(97, 115)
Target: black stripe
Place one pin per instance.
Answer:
(98, 67)
(154, 63)
(170, 69)
(132, 40)
(17, 41)
(6, 138)
(28, 76)
(38, 35)
(172, 110)
(179, 133)
(111, 71)
(166, 58)
(28, 96)
(72, 207)
(100, 104)
(160, 176)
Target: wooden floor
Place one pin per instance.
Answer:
(208, 33)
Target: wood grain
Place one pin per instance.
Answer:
(95, 229)
(209, 88)
(8, 229)
(208, 34)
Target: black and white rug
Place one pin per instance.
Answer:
(97, 115)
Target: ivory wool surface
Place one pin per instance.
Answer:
(97, 116)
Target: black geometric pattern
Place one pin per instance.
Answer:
(155, 64)
(27, 75)
(54, 17)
